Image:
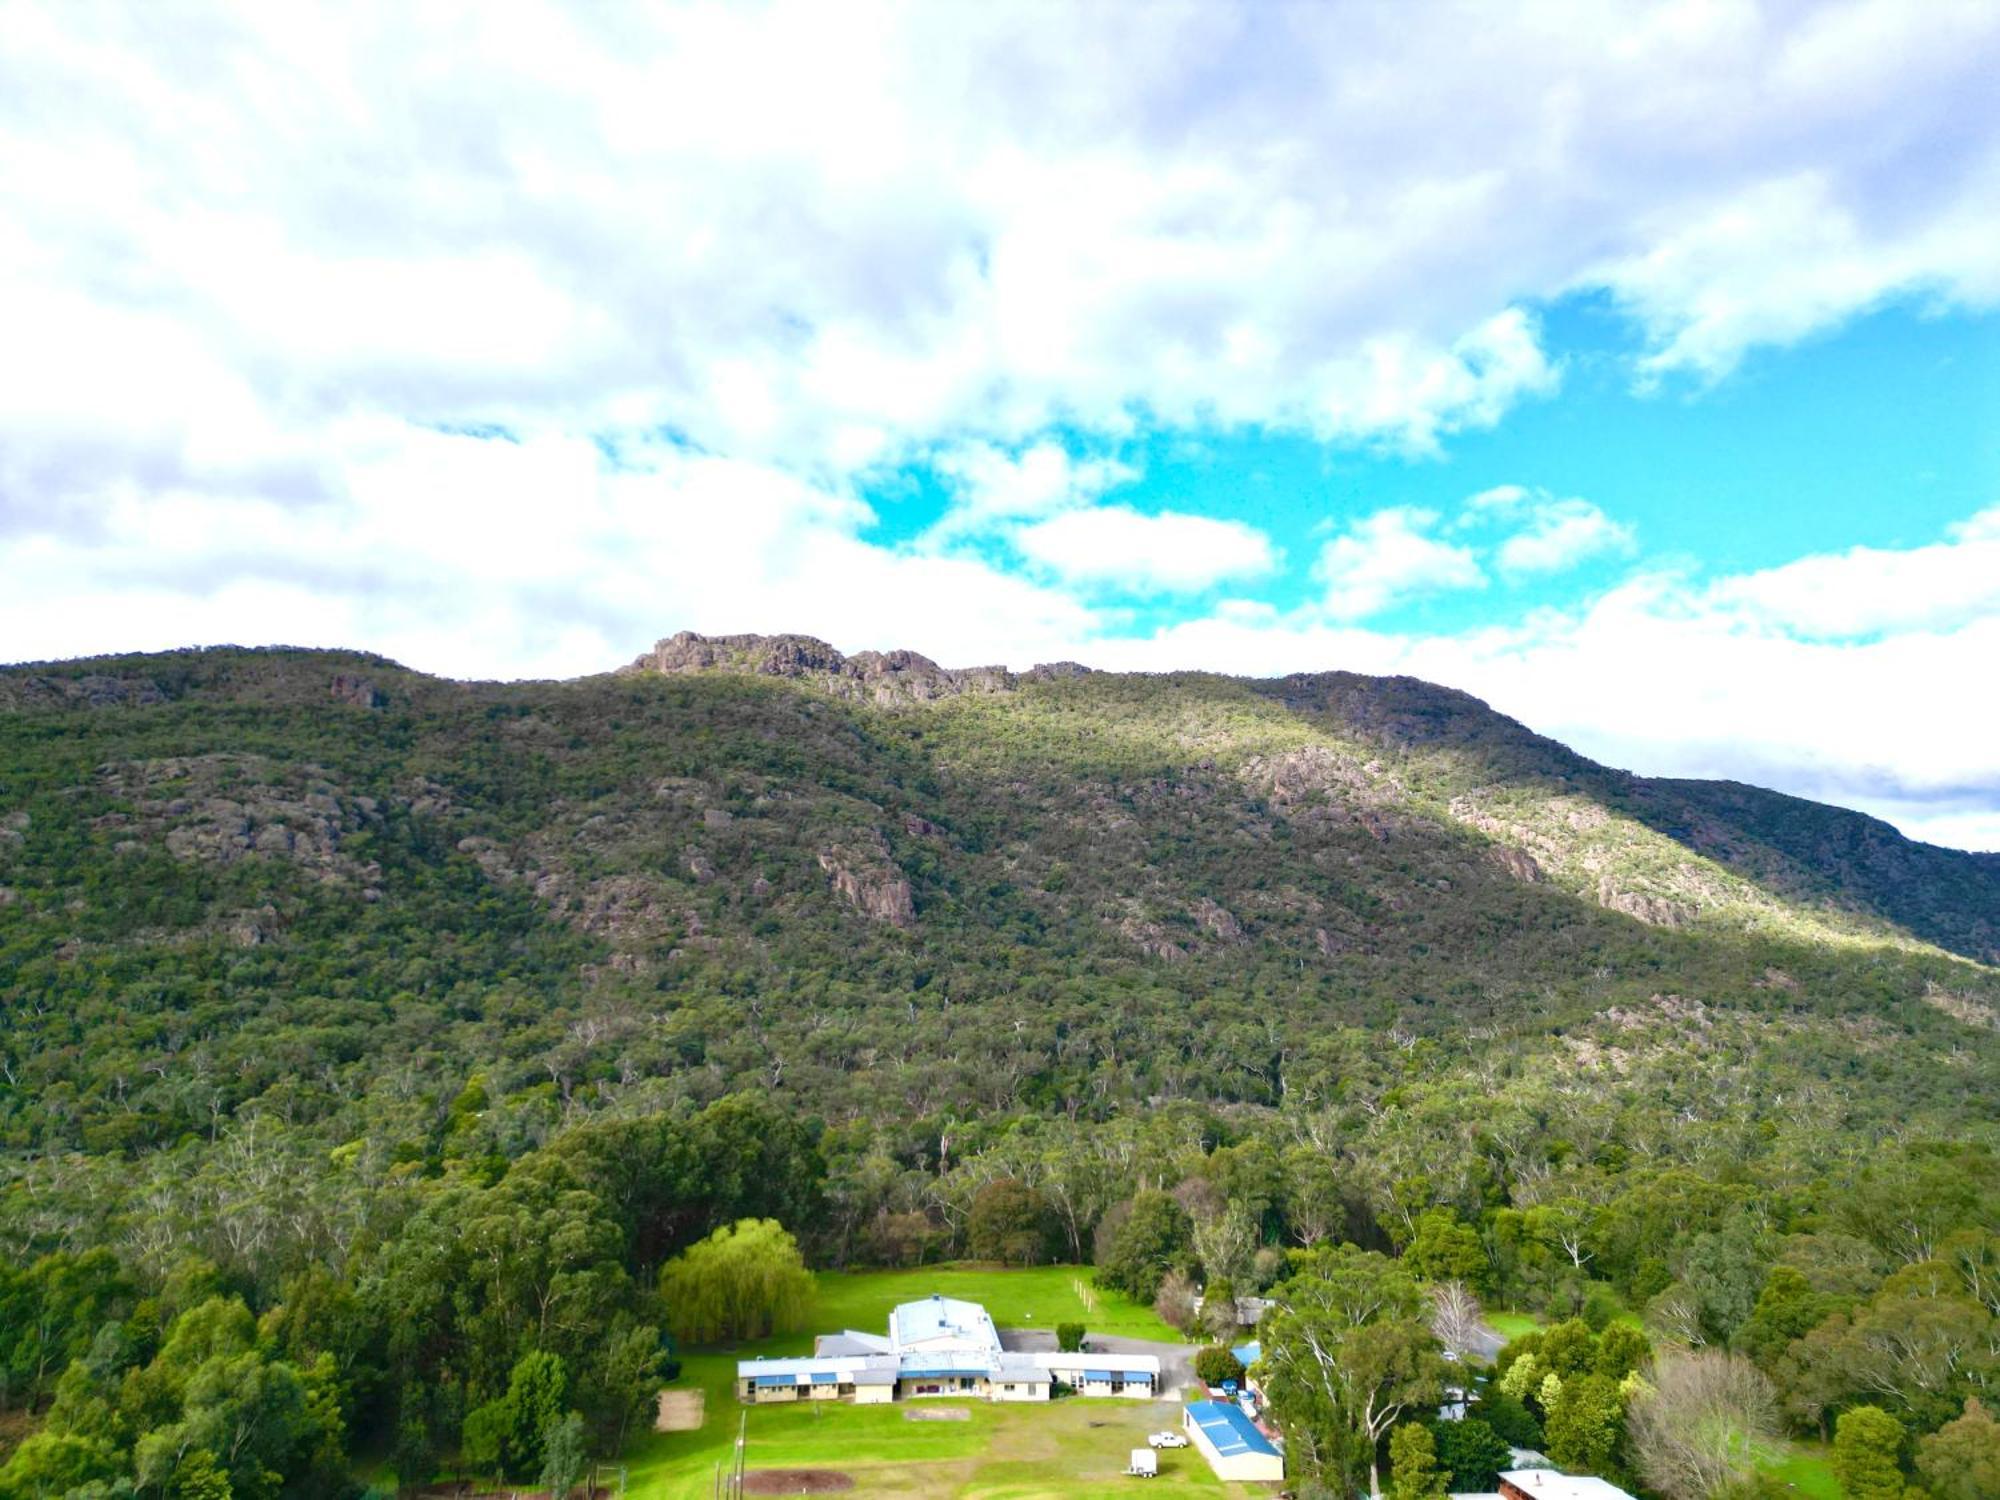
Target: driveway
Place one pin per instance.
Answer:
(1176, 1360)
(1487, 1342)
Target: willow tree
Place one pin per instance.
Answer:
(745, 1281)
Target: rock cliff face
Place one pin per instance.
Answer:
(880, 677)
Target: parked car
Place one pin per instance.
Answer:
(1168, 1440)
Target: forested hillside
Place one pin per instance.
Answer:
(393, 1029)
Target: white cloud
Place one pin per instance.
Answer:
(1167, 553)
(1559, 535)
(1669, 675)
(251, 262)
(1867, 590)
(992, 486)
(906, 227)
(1390, 558)
(482, 557)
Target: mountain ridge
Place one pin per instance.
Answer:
(1483, 770)
(316, 887)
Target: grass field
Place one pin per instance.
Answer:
(1511, 1325)
(1027, 1452)
(1037, 1297)
(1806, 1467)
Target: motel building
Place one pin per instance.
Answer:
(938, 1347)
(1233, 1445)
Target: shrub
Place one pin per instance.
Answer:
(1215, 1365)
(1700, 1421)
(1600, 1308)
(1174, 1301)
(1471, 1453)
(1867, 1444)
(1510, 1418)
(1413, 1465)
(1069, 1336)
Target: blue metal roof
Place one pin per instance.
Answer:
(1248, 1354)
(915, 1371)
(822, 1377)
(1097, 1375)
(774, 1380)
(1227, 1430)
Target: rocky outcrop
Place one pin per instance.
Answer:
(1218, 920)
(357, 692)
(1298, 778)
(880, 677)
(94, 690)
(1961, 1007)
(1518, 863)
(219, 809)
(1655, 911)
(867, 879)
(1151, 939)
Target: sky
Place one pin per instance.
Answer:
(1635, 367)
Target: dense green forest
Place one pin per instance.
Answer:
(372, 1041)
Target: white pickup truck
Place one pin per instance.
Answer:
(1167, 1440)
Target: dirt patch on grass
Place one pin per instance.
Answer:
(679, 1411)
(796, 1482)
(936, 1414)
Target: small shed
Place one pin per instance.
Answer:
(1233, 1445)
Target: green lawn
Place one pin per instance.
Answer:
(1511, 1325)
(1806, 1467)
(1072, 1447)
(1038, 1297)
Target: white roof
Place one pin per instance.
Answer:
(1550, 1484)
(845, 1366)
(943, 1323)
(851, 1342)
(1146, 1364)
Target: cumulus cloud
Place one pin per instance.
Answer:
(1672, 675)
(898, 225)
(992, 487)
(1868, 590)
(1390, 558)
(1123, 548)
(503, 343)
(1554, 534)
(479, 556)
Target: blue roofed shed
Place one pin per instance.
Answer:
(1232, 1443)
